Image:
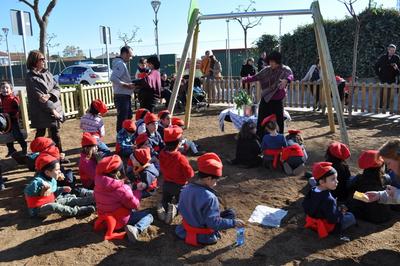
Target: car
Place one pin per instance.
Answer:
(83, 73)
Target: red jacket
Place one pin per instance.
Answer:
(10, 105)
(175, 167)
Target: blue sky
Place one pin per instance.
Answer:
(76, 22)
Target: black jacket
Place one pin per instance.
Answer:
(247, 152)
(247, 70)
(343, 173)
(384, 69)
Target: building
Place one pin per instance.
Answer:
(3, 59)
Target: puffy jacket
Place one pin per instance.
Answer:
(111, 194)
(87, 171)
(175, 167)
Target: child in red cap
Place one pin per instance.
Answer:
(44, 197)
(139, 117)
(112, 194)
(272, 142)
(323, 214)
(176, 171)
(126, 138)
(199, 206)
(142, 172)
(186, 145)
(337, 153)
(88, 160)
(294, 156)
(373, 178)
(155, 139)
(92, 122)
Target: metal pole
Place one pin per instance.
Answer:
(229, 53)
(280, 32)
(9, 58)
(23, 32)
(108, 56)
(156, 33)
(257, 14)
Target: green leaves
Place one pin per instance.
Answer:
(241, 99)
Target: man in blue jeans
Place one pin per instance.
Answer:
(122, 85)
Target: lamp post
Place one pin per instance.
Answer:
(6, 30)
(280, 31)
(156, 5)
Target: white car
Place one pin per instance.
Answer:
(83, 73)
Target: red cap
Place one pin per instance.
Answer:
(88, 140)
(100, 106)
(108, 164)
(143, 155)
(163, 112)
(172, 133)
(268, 119)
(176, 121)
(370, 159)
(210, 164)
(40, 144)
(43, 160)
(129, 125)
(339, 150)
(294, 131)
(142, 138)
(292, 151)
(140, 113)
(321, 169)
(150, 118)
(53, 151)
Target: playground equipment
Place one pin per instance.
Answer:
(328, 75)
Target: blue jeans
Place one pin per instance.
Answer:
(347, 221)
(123, 103)
(141, 220)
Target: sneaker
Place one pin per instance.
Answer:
(10, 153)
(287, 169)
(160, 212)
(132, 232)
(171, 213)
(86, 210)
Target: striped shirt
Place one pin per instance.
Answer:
(93, 124)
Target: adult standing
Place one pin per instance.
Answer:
(387, 69)
(215, 68)
(122, 85)
(44, 104)
(205, 64)
(261, 63)
(314, 74)
(247, 70)
(273, 80)
(165, 91)
(150, 86)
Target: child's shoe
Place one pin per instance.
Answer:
(132, 232)
(161, 212)
(86, 210)
(171, 213)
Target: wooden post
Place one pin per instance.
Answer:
(192, 72)
(181, 68)
(24, 110)
(82, 100)
(328, 74)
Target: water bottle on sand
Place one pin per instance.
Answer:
(239, 236)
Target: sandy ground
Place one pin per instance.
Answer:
(58, 241)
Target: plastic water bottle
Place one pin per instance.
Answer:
(239, 236)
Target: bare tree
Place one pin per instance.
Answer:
(247, 23)
(128, 38)
(50, 44)
(349, 6)
(42, 20)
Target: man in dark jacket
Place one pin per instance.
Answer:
(387, 69)
(248, 70)
(261, 61)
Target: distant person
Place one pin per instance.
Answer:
(261, 63)
(122, 85)
(387, 69)
(150, 86)
(142, 69)
(205, 64)
(44, 103)
(247, 70)
(215, 68)
(165, 89)
(314, 74)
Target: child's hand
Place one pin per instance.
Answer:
(44, 98)
(372, 196)
(141, 186)
(67, 189)
(343, 208)
(46, 189)
(239, 223)
(60, 177)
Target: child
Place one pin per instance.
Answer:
(176, 171)
(92, 122)
(248, 147)
(295, 137)
(199, 206)
(126, 138)
(142, 141)
(294, 156)
(155, 139)
(142, 70)
(112, 195)
(322, 212)
(337, 153)
(142, 172)
(272, 142)
(373, 178)
(10, 106)
(139, 117)
(88, 160)
(44, 197)
(186, 144)
(164, 121)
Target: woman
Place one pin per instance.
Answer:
(45, 110)
(248, 70)
(215, 68)
(273, 80)
(150, 86)
(314, 74)
(390, 152)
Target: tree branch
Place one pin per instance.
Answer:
(27, 3)
(49, 8)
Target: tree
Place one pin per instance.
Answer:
(127, 38)
(42, 21)
(49, 44)
(267, 43)
(72, 51)
(247, 23)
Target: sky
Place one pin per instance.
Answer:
(76, 22)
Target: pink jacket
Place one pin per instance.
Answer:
(87, 171)
(111, 194)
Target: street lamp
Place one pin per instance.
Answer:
(280, 32)
(156, 5)
(6, 30)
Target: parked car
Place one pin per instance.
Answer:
(83, 73)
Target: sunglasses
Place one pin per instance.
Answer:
(42, 59)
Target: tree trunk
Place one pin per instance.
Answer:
(42, 37)
(354, 71)
(245, 42)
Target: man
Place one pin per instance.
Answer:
(387, 69)
(122, 85)
(261, 61)
(205, 64)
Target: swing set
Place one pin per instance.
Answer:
(328, 74)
